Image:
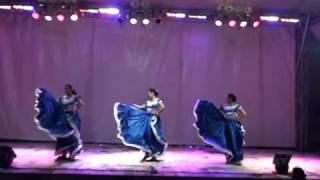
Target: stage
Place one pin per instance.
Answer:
(99, 161)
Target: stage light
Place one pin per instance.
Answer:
(197, 17)
(48, 18)
(74, 17)
(256, 24)
(290, 20)
(60, 17)
(232, 23)
(133, 21)
(270, 18)
(243, 24)
(35, 15)
(145, 21)
(281, 162)
(218, 23)
(23, 7)
(110, 11)
(176, 15)
(91, 11)
(5, 7)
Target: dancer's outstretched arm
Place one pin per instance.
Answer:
(143, 106)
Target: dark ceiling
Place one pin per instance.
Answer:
(288, 5)
(270, 5)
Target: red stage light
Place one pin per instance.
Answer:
(232, 23)
(35, 15)
(256, 24)
(60, 17)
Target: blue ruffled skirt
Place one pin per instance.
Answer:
(225, 135)
(140, 129)
(59, 124)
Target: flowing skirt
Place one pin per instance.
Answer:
(140, 129)
(225, 135)
(60, 125)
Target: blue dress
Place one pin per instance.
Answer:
(224, 134)
(58, 119)
(140, 128)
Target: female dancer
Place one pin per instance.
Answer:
(139, 125)
(60, 119)
(222, 128)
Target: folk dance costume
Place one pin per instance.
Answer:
(141, 127)
(223, 132)
(60, 120)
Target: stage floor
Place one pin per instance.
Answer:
(179, 161)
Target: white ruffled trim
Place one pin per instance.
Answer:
(215, 146)
(158, 138)
(36, 120)
(115, 111)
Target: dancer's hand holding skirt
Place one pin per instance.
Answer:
(139, 128)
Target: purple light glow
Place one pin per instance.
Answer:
(177, 160)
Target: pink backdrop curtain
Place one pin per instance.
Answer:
(109, 62)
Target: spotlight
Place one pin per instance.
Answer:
(270, 18)
(35, 15)
(243, 23)
(145, 21)
(197, 17)
(176, 15)
(5, 7)
(90, 11)
(74, 17)
(281, 162)
(133, 21)
(232, 23)
(48, 18)
(256, 24)
(290, 20)
(218, 23)
(60, 17)
(23, 7)
(110, 11)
